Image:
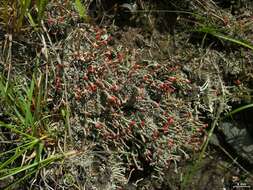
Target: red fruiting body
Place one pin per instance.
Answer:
(100, 84)
(113, 100)
(98, 36)
(85, 77)
(58, 83)
(98, 125)
(157, 105)
(145, 77)
(187, 81)
(95, 45)
(109, 55)
(165, 128)
(104, 42)
(237, 82)
(109, 38)
(120, 57)
(170, 120)
(199, 129)
(170, 142)
(166, 87)
(91, 69)
(132, 123)
(155, 135)
(93, 87)
(51, 21)
(136, 66)
(60, 19)
(172, 79)
(114, 88)
(225, 20)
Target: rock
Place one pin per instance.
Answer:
(239, 139)
(214, 140)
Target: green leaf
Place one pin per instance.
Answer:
(80, 9)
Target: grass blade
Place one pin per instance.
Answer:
(214, 32)
(237, 110)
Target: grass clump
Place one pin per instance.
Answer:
(13, 13)
(23, 133)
